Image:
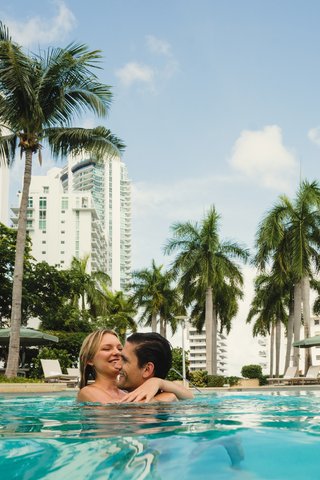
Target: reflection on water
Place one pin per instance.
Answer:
(54, 437)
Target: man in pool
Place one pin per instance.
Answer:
(146, 356)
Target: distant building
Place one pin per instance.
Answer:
(4, 194)
(264, 349)
(197, 351)
(84, 208)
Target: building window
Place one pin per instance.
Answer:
(63, 231)
(62, 252)
(45, 189)
(30, 202)
(43, 253)
(317, 321)
(29, 223)
(44, 241)
(64, 203)
(42, 203)
(62, 241)
(42, 219)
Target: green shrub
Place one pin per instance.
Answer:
(4, 379)
(251, 371)
(199, 378)
(232, 381)
(216, 381)
(50, 353)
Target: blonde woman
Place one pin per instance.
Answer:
(101, 358)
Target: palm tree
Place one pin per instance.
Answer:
(40, 95)
(153, 291)
(119, 314)
(269, 308)
(290, 235)
(88, 288)
(205, 268)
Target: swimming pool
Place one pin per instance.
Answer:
(238, 436)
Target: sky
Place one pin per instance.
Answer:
(217, 102)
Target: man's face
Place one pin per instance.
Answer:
(131, 376)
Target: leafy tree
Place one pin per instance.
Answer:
(207, 275)
(40, 95)
(177, 364)
(8, 238)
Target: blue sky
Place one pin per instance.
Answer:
(217, 102)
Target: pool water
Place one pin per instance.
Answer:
(221, 436)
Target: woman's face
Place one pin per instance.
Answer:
(107, 360)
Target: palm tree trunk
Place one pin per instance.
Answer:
(154, 322)
(14, 345)
(278, 343)
(211, 334)
(306, 319)
(271, 349)
(297, 323)
(162, 327)
(289, 331)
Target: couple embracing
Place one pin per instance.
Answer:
(133, 373)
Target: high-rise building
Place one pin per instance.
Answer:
(110, 188)
(197, 351)
(83, 209)
(4, 193)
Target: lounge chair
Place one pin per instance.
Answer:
(52, 372)
(287, 377)
(74, 372)
(311, 376)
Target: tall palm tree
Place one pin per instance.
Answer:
(153, 291)
(40, 95)
(269, 308)
(205, 267)
(290, 235)
(89, 288)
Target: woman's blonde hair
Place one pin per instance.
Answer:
(88, 350)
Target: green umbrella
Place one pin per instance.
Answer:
(308, 342)
(29, 337)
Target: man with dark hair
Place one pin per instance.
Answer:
(144, 356)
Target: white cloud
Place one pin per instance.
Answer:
(314, 135)
(156, 45)
(151, 76)
(42, 30)
(134, 72)
(261, 156)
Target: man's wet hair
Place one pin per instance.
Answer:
(153, 347)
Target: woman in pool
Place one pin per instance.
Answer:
(101, 358)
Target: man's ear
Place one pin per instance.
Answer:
(148, 370)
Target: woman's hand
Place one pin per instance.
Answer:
(146, 392)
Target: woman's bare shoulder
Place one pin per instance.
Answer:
(91, 394)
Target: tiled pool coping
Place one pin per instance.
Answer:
(60, 387)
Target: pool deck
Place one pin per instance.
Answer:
(62, 387)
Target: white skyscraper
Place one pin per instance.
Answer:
(197, 352)
(4, 194)
(83, 209)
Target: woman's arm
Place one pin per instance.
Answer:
(148, 391)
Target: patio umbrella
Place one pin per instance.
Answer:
(308, 342)
(29, 337)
